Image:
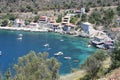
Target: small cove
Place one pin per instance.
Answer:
(12, 48)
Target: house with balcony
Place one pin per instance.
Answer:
(80, 12)
(43, 19)
(65, 20)
(19, 22)
(69, 28)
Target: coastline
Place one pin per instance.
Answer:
(24, 29)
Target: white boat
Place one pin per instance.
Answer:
(46, 45)
(61, 40)
(67, 57)
(0, 53)
(58, 54)
(20, 38)
(20, 35)
(88, 45)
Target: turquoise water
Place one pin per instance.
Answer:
(12, 48)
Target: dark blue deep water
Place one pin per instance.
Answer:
(12, 48)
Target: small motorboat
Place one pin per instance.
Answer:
(20, 38)
(67, 57)
(58, 54)
(88, 45)
(0, 53)
(20, 35)
(61, 40)
(46, 45)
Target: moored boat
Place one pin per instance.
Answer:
(0, 53)
(20, 35)
(46, 45)
(58, 54)
(67, 57)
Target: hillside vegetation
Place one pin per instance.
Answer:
(35, 5)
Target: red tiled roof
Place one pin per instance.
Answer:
(43, 17)
(52, 21)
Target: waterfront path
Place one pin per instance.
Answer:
(23, 29)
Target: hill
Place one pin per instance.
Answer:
(113, 75)
(36, 5)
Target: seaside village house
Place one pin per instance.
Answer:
(65, 20)
(43, 19)
(19, 22)
(69, 28)
(54, 26)
(80, 12)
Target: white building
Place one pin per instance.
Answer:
(19, 22)
(88, 29)
(82, 10)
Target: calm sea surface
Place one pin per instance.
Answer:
(12, 48)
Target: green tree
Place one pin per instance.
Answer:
(116, 58)
(94, 17)
(59, 18)
(4, 22)
(93, 63)
(108, 16)
(73, 20)
(118, 10)
(9, 16)
(8, 74)
(87, 9)
(36, 18)
(36, 67)
(84, 17)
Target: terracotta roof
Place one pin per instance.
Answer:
(43, 17)
(52, 21)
